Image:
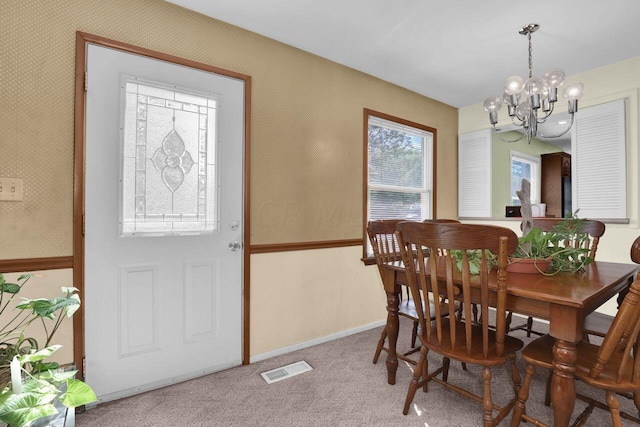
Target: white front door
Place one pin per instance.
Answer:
(163, 222)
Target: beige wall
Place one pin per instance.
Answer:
(616, 81)
(306, 147)
(45, 284)
(306, 156)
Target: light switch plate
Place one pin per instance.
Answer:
(11, 189)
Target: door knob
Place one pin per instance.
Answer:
(235, 246)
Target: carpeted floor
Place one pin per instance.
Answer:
(343, 389)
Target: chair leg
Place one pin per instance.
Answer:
(508, 321)
(487, 403)
(446, 362)
(383, 337)
(547, 392)
(520, 406)
(415, 381)
(614, 408)
(636, 401)
(414, 333)
(515, 373)
(425, 373)
(529, 326)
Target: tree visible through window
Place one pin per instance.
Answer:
(400, 169)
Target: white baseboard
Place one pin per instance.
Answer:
(300, 346)
(163, 383)
(159, 384)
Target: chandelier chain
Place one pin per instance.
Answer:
(530, 55)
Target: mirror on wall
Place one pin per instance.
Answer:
(589, 167)
(512, 161)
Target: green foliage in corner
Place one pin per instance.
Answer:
(42, 384)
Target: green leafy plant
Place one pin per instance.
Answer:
(475, 259)
(43, 384)
(564, 244)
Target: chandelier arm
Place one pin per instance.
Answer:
(495, 132)
(547, 114)
(519, 123)
(561, 133)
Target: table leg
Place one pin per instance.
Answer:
(393, 326)
(563, 385)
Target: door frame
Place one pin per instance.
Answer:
(82, 39)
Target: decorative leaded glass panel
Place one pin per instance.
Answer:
(169, 160)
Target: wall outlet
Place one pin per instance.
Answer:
(11, 189)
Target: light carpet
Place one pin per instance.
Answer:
(343, 389)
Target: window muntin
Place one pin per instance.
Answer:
(168, 176)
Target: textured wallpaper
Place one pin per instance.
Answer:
(306, 146)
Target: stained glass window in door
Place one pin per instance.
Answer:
(168, 177)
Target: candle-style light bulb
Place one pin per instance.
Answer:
(491, 105)
(513, 85)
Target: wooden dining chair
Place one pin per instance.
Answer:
(428, 252)
(593, 229)
(386, 250)
(597, 324)
(612, 366)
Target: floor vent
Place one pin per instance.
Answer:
(285, 372)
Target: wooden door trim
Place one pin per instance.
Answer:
(35, 264)
(82, 39)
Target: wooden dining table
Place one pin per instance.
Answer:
(564, 299)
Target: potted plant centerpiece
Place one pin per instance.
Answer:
(30, 387)
(563, 248)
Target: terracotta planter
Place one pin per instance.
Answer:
(528, 265)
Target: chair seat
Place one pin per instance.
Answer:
(459, 352)
(539, 352)
(597, 324)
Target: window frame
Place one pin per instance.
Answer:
(370, 115)
(535, 173)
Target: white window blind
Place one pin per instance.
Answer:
(400, 171)
(474, 174)
(598, 162)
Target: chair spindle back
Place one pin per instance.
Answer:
(622, 338)
(427, 250)
(592, 228)
(382, 235)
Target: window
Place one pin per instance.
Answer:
(168, 176)
(399, 182)
(526, 167)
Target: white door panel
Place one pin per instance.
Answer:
(165, 307)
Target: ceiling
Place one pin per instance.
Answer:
(455, 51)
